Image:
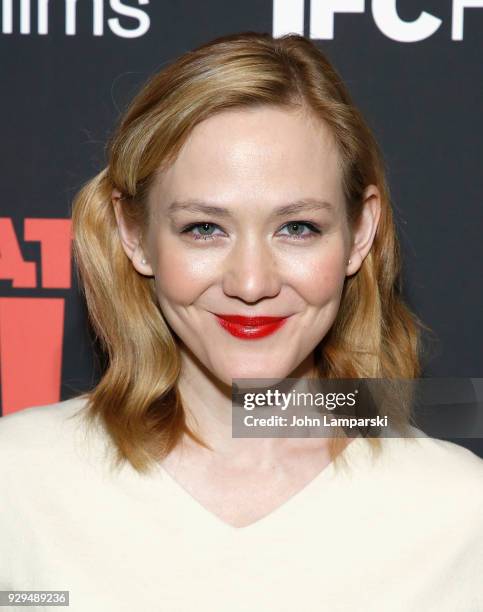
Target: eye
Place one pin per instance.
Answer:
(205, 230)
(296, 230)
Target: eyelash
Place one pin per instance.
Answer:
(189, 228)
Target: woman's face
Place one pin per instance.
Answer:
(250, 258)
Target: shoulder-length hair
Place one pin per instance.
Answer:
(374, 335)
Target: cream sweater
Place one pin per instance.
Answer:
(403, 534)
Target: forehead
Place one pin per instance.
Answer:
(264, 152)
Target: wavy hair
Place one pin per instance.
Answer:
(375, 335)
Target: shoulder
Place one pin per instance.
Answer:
(434, 457)
(39, 431)
(436, 474)
(37, 420)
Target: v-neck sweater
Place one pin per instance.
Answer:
(399, 533)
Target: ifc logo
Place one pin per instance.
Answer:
(288, 16)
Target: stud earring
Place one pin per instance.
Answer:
(143, 261)
(349, 261)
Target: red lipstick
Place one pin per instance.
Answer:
(250, 327)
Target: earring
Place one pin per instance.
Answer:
(143, 261)
(349, 261)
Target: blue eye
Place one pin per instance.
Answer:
(296, 230)
(204, 233)
(297, 226)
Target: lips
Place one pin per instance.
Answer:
(250, 327)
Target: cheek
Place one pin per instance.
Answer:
(182, 274)
(320, 279)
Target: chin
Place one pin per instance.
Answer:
(253, 372)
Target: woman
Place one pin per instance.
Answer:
(241, 183)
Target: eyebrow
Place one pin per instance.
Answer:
(303, 205)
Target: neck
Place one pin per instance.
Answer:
(208, 405)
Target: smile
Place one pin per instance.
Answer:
(250, 327)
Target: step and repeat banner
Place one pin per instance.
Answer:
(70, 67)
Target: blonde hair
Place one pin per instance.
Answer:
(374, 335)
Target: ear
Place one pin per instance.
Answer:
(363, 234)
(129, 236)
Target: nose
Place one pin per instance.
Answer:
(251, 272)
